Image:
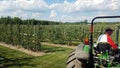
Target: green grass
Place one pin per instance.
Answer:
(47, 49)
(14, 59)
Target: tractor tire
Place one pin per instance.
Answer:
(73, 62)
(78, 58)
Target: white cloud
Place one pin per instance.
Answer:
(85, 9)
(66, 18)
(63, 7)
(32, 4)
(53, 14)
(4, 6)
(96, 2)
(63, 11)
(115, 4)
(83, 5)
(23, 5)
(23, 8)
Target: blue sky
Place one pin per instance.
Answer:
(59, 10)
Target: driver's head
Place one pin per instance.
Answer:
(108, 31)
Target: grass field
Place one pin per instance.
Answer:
(14, 59)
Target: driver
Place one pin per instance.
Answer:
(105, 38)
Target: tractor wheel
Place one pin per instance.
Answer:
(73, 62)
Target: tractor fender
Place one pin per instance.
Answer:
(80, 53)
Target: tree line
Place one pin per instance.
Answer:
(17, 20)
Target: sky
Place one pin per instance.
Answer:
(59, 10)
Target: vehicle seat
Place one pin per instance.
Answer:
(103, 48)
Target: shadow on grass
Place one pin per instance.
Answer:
(52, 49)
(15, 62)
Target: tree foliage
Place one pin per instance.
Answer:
(30, 33)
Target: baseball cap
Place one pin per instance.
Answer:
(108, 29)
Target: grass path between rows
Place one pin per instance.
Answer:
(10, 58)
(58, 45)
(22, 49)
(35, 53)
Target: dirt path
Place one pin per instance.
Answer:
(22, 50)
(58, 45)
